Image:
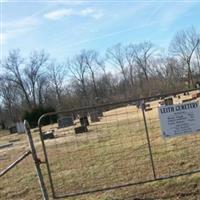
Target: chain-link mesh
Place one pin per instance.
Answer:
(103, 148)
(113, 151)
(20, 182)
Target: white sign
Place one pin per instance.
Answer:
(179, 119)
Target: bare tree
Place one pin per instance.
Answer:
(116, 55)
(130, 57)
(10, 98)
(41, 83)
(78, 69)
(93, 64)
(184, 45)
(56, 75)
(143, 53)
(37, 61)
(197, 55)
(35, 81)
(2, 117)
(169, 71)
(139, 59)
(13, 66)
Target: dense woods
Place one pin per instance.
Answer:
(91, 77)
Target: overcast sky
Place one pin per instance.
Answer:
(63, 28)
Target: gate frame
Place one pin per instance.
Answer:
(36, 161)
(143, 100)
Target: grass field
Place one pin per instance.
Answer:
(113, 152)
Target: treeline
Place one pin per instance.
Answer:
(123, 72)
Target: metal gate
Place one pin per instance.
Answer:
(121, 146)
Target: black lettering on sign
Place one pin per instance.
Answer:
(166, 110)
(187, 106)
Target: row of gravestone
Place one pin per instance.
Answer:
(66, 121)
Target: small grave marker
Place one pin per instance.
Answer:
(81, 129)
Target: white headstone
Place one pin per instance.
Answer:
(20, 127)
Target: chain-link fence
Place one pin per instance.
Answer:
(100, 148)
(114, 145)
(17, 174)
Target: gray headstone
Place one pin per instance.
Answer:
(65, 121)
(94, 116)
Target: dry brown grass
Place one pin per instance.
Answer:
(113, 152)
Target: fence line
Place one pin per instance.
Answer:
(122, 149)
(8, 168)
(36, 160)
(109, 142)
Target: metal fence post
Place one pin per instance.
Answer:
(46, 158)
(148, 139)
(36, 161)
(22, 157)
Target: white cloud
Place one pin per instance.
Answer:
(87, 12)
(58, 14)
(14, 28)
(21, 24)
(97, 14)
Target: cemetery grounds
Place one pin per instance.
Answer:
(113, 151)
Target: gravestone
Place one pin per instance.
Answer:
(94, 116)
(148, 109)
(196, 95)
(168, 101)
(5, 145)
(81, 129)
(12, 129)
(84, 121)
(48, 135)
(65, 121)
(20, 127)
(188, 100)
(197, 85)
(100, 113)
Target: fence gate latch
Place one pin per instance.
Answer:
(38, 161)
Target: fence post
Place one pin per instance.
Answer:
(36, 161)
(46, 157)
(148, 139)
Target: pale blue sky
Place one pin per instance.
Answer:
(63, 28)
